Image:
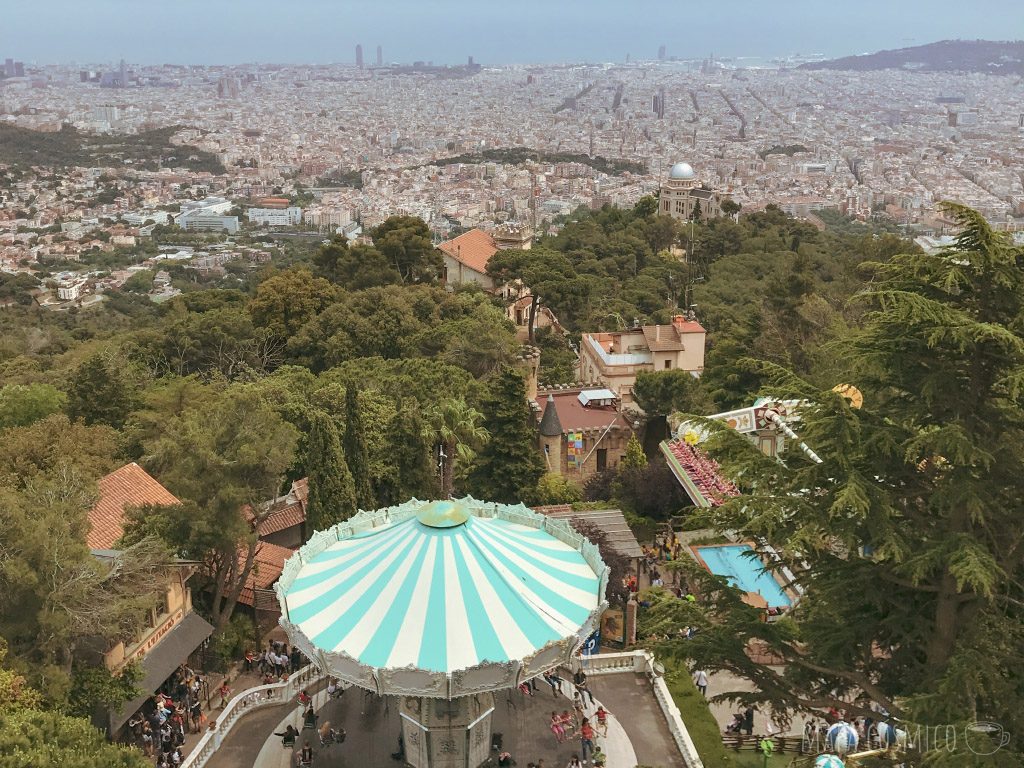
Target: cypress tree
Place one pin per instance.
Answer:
(355, 451)
(634, 457)
(332, 496)
(100, 394)
(413, 452)
(508, 467)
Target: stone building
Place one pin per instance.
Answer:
(171, 631)
(581, 430)
(682, 193)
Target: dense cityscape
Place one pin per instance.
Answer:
(664, 412)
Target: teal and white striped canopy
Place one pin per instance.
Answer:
(439, 588)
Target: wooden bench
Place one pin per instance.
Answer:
(740, 742)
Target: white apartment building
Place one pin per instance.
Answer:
(71, 290)
(201, 222)
(275, 217)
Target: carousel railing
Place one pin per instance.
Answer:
(247, 701)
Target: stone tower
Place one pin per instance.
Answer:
(551, 436)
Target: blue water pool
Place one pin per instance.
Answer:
(745, 572)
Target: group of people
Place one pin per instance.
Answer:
(159, 728)
(275, 662)
(578, 723)
(666, 548)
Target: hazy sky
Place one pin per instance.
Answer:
(493, 31)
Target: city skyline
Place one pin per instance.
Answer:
(319, 32)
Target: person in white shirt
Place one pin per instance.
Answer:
(700, 679)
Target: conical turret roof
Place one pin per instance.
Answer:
(549, 423)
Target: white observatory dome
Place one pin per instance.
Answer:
(682, 171)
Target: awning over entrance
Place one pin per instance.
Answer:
(167, 656)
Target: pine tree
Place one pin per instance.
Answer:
(355, 451)
(907, 537)
(509, 465)
(332, 496)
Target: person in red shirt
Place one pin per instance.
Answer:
(586, 739)
(602, 720)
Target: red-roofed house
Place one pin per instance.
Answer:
(129, 486)
(465, 262)
(266, 570)
(285, 524)
(172, 631)
(465, 259)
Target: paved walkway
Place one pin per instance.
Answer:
(721, 682)
(629, 697)
(372, 726)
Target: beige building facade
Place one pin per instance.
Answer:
(615, 358)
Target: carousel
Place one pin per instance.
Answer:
(443, 604)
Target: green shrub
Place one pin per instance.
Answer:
(557, 489)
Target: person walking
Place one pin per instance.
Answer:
(574, 762)
(580, 680)
(602, 720)
(306, 755)
(586, 739)
(224, 692)
(700, 679)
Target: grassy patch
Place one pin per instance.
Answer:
(704, 729)
(698, 718)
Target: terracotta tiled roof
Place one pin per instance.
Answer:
(286, 511)
(473, 248)
(284, 517)
(662, 338)
(689, 326)
(129, 486)
(267, 569)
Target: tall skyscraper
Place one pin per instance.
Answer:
(359, 56)
(661, 53)
(229, 87)
(380, 56)
(470, 62)
(123, 75)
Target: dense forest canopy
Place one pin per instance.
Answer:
(361, 371)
